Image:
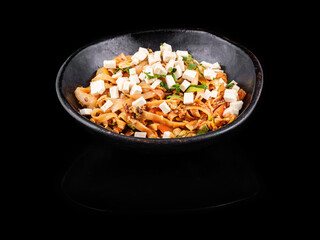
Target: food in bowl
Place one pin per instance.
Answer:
(160, 94)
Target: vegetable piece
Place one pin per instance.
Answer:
(163, 128)
(203, 129)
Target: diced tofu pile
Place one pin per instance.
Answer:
(179, 80)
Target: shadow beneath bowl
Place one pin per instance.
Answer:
(138, 182)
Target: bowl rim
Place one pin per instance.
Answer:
(130, 139)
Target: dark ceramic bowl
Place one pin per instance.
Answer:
(237, 61)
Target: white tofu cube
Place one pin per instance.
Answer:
(178, 72)
(209, 74)
(136, 89)
(134, 79)
(184, 85)
(148, 70)
(189, 75)
(158, 69)
(140, 134)
(216, 65)
(139, 102)
(167, 134)
(120, 81)
(165, 47)
(155, 83)
(138, 57)
(170, 64)
(114, 92)
(126, 86)
(207, 94)
(182, 53)
(236, 88)
(220, 81)
(151, 80)
(143, 50)
(230, 110)
(109, 63)
(179, 63)
(164, 108)
(170, 81)
(142, 76)
(85, 111)
(206, 65)
(230, 95)
(168, 55)
(117, 75)
(154, 57)
(236, 105)
(97, 87)
(214, 93)
(188, 98)
(132, 71)
(107, 105)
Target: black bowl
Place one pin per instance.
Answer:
(237, 61)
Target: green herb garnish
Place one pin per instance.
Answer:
(230, 85)
(155, 76)
(182, 135)
(164, 85)
(177, 87)
(172, 96)
(203, 129)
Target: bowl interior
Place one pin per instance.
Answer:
(239, 64)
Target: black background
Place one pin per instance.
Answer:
(58, 34)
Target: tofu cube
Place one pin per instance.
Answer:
(143, 50)
(189, 75)
(168, 55)
(97, 87)
(126, 86)
(206, 65)
(207, 94)
(214, 93)
(85, 111)
(149, 70)
(117, 75)
(188, 98)
(230, 110)
(164, 107)
(170, 64)
(158, 69)
(114, 92)
(236, 105)
(167, 134)
(136, 89)
(134, 79)
(230, 95)
(142, 76)
(154, 57)
(132, 71)
(184, 85)
(182, 53)
(107, 105)
(209, 74)
(155, 83)
(120, 81)
(179, 63)
(216, 65)
(140, 134)
(178, 72)
(109, 63)
(165, 47)
(139, 102)
(170, 81)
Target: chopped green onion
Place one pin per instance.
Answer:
(172, 96)
(203, 129)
